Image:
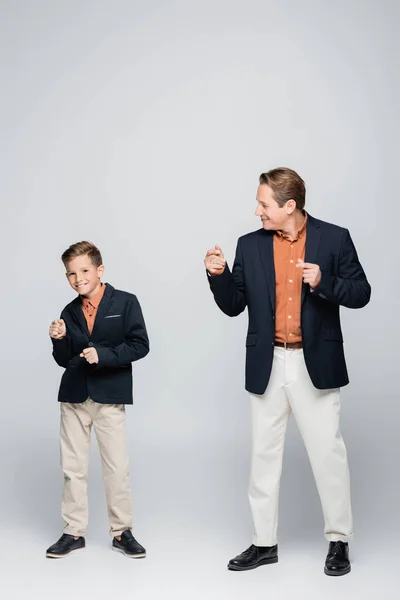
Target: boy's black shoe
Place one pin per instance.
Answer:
(337, 562)
(128, 546)
(64, 546)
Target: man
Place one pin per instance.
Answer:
(293, 275)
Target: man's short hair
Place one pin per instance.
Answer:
(286, 185)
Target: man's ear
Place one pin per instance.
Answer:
(290, 206)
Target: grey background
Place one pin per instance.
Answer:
(143, 126)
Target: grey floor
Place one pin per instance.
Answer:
(179, 566)
(191, 513)
(191, 528)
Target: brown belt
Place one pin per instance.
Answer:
(289, 345)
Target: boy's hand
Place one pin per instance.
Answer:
(91, 355)
(58, 329)
(215, 261)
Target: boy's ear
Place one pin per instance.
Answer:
(100, 271)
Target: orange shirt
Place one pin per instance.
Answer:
(289, 281)
(90, 307)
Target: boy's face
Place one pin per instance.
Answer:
(83, 276)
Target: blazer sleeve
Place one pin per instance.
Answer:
(62, 349)
(350, 287)
(228, 288)
(136, 343)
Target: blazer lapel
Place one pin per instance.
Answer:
(313, 237)
(103, 307)
(266, 249)
(77, 313)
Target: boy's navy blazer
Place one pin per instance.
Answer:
(252, 283)
(120, 338)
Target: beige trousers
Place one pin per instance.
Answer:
(109, 425)
(317, 415)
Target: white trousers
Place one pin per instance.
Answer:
(317, 415)
(108, 421)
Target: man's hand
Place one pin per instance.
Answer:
(57, 329)
(91, 355)
(311, 273)
(215, 261)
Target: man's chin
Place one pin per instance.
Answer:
(268, 226)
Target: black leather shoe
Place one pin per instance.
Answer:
(253, 557)
(337, 562)
(64, 546)
(129, 546)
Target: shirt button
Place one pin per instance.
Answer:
(290, 280)
(290, 334)
(289, 316)
(90, 344)
(290, 299)
(291, 260)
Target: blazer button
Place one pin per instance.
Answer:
(90, 344)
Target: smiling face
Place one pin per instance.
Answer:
(273, 216)
(83, 276)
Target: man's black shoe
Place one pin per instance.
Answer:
(129, 546)
(253, 557)
(64, 546)
(337, 561)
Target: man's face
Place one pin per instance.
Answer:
(83, 276)
(273, 217)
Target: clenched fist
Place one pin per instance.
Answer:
(311, 273)
(91, 355)
(215, 261)
(57, 329)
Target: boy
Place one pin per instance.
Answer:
(99, 334)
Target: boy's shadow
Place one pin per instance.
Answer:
(35, 486)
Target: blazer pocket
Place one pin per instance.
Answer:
(251, 339)
(331, 335)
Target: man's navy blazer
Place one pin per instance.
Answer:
(252, 283)
(120, 338)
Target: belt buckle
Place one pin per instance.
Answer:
(285, 345)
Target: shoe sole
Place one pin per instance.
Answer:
(337, 573)
(128, 555)
(265, 561)
(49, 555)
